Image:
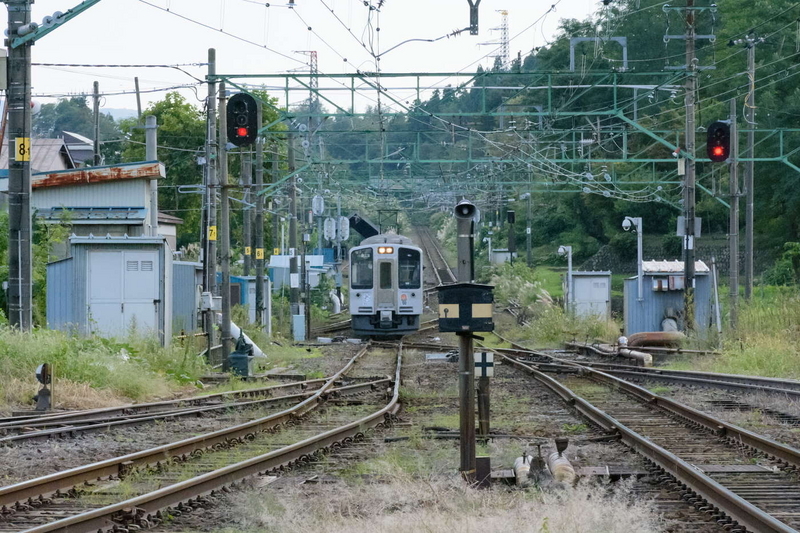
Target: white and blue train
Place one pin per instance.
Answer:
(386, 293)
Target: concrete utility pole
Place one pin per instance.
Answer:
(19, 170)
(294, 273)
(247, 213)
(749, 170)
(224, 230)
(733, 231)
(259, 223)
(689, 187)
(151, 154)
(528, 236)
(138, 100)
(96, 111)
(276, 219)
(209, 199)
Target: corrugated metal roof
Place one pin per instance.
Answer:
(165, 218)
(146, 170)
(46, 155)
(93, 215)
(108, 239)
(671, 267)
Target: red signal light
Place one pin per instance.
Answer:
(241, 132)
(718, 151)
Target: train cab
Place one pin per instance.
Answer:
(386, 292)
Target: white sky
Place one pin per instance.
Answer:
(130, 31)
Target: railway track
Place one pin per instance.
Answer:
(444, 275)
(132, 491)
(73, 426)
(742, 480)
(732, 382)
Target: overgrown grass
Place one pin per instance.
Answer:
(551, 327)
(93, 370)
(439, 503)
(765, 342)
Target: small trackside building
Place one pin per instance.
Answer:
(112, 286)
(660, 307)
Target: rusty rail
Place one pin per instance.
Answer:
(102, 425)
(739, 509)
(118, 466)
(106, 413)
(143, 508)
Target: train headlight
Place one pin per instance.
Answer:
(385, 250)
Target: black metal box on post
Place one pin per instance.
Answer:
(465, 308)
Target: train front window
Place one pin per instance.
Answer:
(361, 269)
(409, 269)
(386, 275)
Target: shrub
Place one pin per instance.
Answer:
(786, 270)
(624, 244)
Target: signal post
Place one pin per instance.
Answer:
(466, 308)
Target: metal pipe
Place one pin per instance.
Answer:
(656, 338)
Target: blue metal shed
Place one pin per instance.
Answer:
(187, 284)
(662, 297)
(111, 286)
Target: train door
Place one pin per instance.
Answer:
(386, 293)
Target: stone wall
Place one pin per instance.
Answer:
(608, 259)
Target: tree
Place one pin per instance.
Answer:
(74, 115)
(181, 139)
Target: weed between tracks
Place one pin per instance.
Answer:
(438, 502)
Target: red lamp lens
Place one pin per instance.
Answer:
(241, 132)
(718, 151)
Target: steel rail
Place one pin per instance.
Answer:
(338, 326)
(714, 382)
(102, 425)
(144, 409)
(689, 377)
(145, 506)
(736, 507)
(119, 466)
(428, 243)
(106, 412)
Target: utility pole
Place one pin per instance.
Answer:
(528, 236)
(209, 199)
(294, 274)
(96, 110)
(259, 229)
(276, 219)
(138, 100)
(733, 232)
(750, 43)
(689, 188)
(151, 154)
(224, 230)
(247, 222)
(19, 169)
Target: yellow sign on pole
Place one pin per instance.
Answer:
(276, 251)
(259, 253)
(212, 233)
(22, 151)
(248, 250)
